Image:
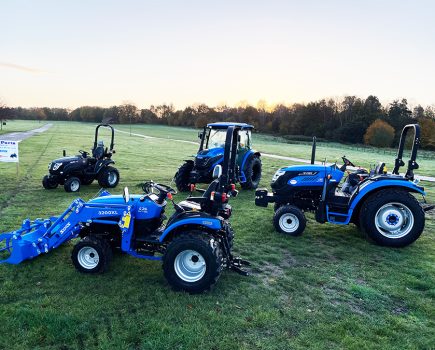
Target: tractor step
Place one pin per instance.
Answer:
(152, 239)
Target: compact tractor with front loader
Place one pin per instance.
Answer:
(194, 245)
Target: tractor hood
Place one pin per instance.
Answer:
(58, 164)
(305, 175)
(210, 153)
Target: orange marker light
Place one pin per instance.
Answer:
(169, 195)
(224, 197)
(192, 187)
(212, 196)
(233, 187)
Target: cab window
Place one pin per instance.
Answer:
(245, 139)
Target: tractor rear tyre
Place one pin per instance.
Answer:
(108, 177)
(49, 183)
(290, 220)
(181, 177)
(91, 255)
(252, 173)
(392, 218)
(72, 184)
(193, 262)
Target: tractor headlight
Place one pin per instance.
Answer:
(56, 166)
(277, 175)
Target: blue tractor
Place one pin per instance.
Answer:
(211, 153)
(381, 204)
(194, 245)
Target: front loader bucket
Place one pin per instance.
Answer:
(38, 236)
(23, 244)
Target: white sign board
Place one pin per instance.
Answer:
(9, 151)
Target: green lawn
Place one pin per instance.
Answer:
(20, 125)
(332, 152)
(329, 288)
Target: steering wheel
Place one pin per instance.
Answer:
(347, 162)
(84, 153)
(148, 186)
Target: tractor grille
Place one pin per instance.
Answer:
(309, 179)
(201, 163)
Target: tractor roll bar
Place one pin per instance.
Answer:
(412, 164)
(313, 150)
(202, 135)
(96, 135)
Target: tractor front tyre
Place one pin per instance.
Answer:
(290, 220)
(72, 184)
(49, 183)
(108, 177)
(91, 255)
(182, 176)
(252, 173)
(193, 262)
(392, 218)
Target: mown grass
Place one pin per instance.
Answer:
(332, 152)
(330, 288)
(20, 125)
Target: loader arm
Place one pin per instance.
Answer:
(41, 236)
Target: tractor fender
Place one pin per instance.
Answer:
(375, 186)
(248, 156)
(189, 161)
(103, 163)
(205, 223)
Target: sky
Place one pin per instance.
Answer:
(101, 53)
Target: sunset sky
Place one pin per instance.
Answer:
(74, 53)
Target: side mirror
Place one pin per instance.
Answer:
(217, 171)
(126, 195)
(200, 134)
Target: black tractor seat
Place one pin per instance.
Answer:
(198, 203)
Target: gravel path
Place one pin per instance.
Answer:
(20, 136)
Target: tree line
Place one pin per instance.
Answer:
(346, 120)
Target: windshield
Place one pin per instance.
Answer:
(216, 138)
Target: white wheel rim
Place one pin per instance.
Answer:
(190, 266)
(289, 222)
(111, 178)
(394, 220)
(75, 185)
(88, 258)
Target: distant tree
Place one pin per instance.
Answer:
(127, 113)
(428, 133)
(379, 134)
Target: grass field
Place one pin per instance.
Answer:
(20, 125)
(329, 288)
